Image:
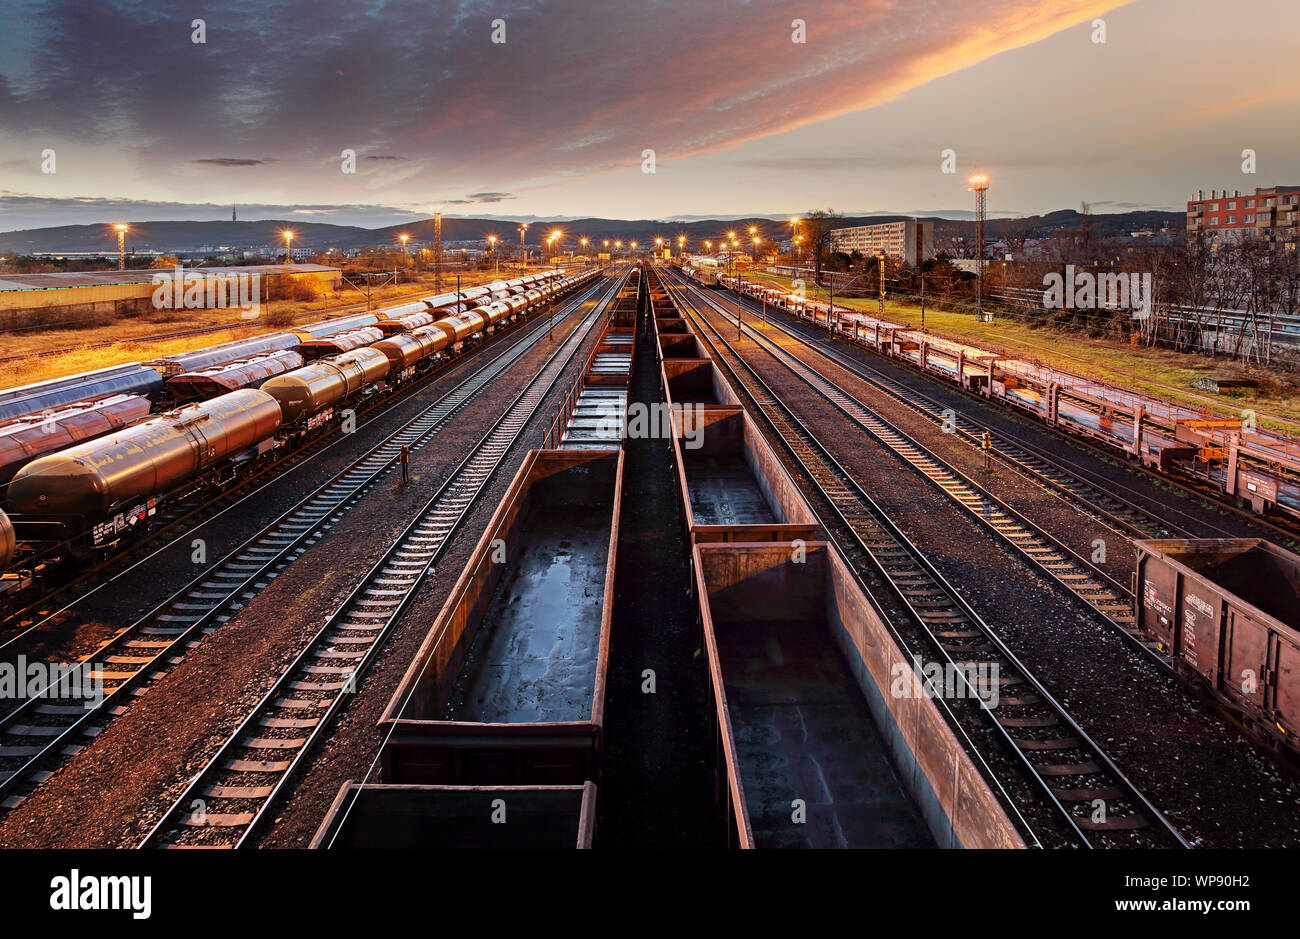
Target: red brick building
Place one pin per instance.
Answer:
(1272, 214)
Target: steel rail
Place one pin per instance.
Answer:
(1040, 726)
(248, 772)
(149, 646)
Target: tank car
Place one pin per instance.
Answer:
(305, 394)
(32, 437)
(248, 373)
(406, 350)
(87, 483)
(131, 378)
(8, 541)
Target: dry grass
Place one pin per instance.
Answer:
(1160, 373)
(126, 332)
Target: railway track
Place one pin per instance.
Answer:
(1116, 510)
(1044, 553)
(225, 804)
(196, 510)
(1280, 526)
(1096, 803)
(39, 734)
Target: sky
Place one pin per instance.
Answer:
(369, 112)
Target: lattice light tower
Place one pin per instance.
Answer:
(979, 184)
(121, 246)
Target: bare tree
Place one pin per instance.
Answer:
(818, 224)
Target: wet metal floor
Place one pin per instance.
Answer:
(804, 732)
(535, 654)
(725, 492)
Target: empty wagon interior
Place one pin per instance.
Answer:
(1250, 569)
(434, 818)
(802, 729)
(520, 643)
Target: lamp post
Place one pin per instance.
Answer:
(681, 245)
(794, 235)
(496, 259)
(585, 259)
(404, 239)
(979, 184)
(288, 247)
(121, 246)
(753, 234)
(523, 255)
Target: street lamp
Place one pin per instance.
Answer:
(753, 233)
(121, 246)
(496, 259)
(794, 225)
(681, 245)
(288, 246)
(979, 184)
(583, 242)
(523, 255)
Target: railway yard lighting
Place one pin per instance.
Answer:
(121, 246)
(523, 256)
(288, 246)
(979, 184)
(496, 258)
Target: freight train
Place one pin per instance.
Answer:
(79, 479)
(1244, 462)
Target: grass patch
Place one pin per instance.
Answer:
(1158, 373)
(72, 355)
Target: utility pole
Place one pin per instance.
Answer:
(437, 248)
(923, 296)
(736, 273)
(883, 257)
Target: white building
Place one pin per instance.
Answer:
(912, 241)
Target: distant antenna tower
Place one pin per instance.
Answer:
(234, 217)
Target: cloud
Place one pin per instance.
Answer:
(232, 161)
(424, 79)
(25, 210)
